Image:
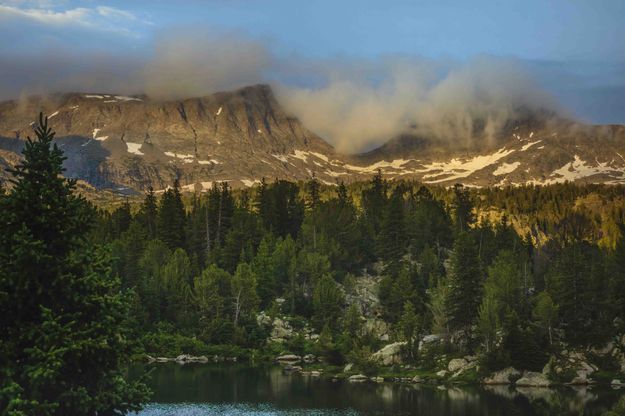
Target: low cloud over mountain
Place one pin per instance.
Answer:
(354, 103)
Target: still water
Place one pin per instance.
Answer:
(244, 390)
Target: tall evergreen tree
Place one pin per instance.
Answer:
(313, 205)
(391, 240)
(64, 346)
(463, 208)
(327, 302)
(570, 284)
(148, 212)
(465, 283)
(171, 218)
(244, 297)
(264, 268)
(374, 200)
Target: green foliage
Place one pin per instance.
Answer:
(171, 218)
(352, 322)
(64, 343)
(328, 349)
(361, 358)
(489, 322)
(244, 297)
(465, 283)
(391, 240)
(437, 308)
(463, 209)
(577, 283)
(211, 295)
(618, 409)
(545, 313)
(302, 240)
(175, 277)
(287, 248)
(410, 325)
(264, 268)
(327, 302)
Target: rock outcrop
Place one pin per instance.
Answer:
(506, 376)
(390, 354)
(358, 378)
(533, 379)
(288, 359)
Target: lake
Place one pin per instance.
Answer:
(242, 389)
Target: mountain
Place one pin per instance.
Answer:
(540, 150)
(133, 142)
(130, 143)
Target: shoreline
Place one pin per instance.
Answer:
(413, 376)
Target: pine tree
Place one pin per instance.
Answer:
(488, 321)
(427, 223)
(410, 325)
(155, 256)
(569, 281)
(176, 280)
(438, 309)
(313, 205)
(244, 297)
(616, 268)
(171, 218)
(64, 345)
(327, 302)
(211, 291)
(391, 241)
(352, 322)
(465, 283)
(546, 313)
(463, 208)
(264, 268)
(374, 201)
(148, 213)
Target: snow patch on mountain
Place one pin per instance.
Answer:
(249, 182)
(186, 158)
(458, 169)
(134, 148)
(506, 168)
(383, 164)
(579, 169)
(530, 144)
(126, 98)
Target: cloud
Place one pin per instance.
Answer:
(192, 62)
(461, 102)
(353, 103)
(101, 18)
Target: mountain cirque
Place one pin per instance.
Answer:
(131, 143)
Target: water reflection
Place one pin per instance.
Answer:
(245, 390)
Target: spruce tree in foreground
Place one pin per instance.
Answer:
(63, 347)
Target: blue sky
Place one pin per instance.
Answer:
(573, 49)
(529, 29)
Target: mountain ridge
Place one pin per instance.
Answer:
(134, 142)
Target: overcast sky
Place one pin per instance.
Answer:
(573, 49)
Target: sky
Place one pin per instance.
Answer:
(390, 63)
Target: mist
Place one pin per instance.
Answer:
(355, 104)
(453, 101)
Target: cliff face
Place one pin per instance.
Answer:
(242, 136)
(118, 141)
